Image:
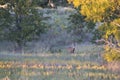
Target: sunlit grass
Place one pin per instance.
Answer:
(58, 66)
(71, 69)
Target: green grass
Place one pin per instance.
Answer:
(60, 66)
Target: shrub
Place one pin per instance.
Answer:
(111, 55)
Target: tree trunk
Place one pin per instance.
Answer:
(19, 48)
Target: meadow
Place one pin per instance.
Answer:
(84, 64)
(42, 59)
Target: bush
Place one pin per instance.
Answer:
(112, 55)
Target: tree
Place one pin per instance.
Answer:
(60, 2)
(41, 3)
(106, 12)
(45, 3)
(20, 22)
(79, 27)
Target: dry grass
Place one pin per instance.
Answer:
(114, 66)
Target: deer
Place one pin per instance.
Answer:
(71, 49)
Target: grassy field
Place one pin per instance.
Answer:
(85, 64)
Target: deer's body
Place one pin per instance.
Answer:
(71, 49)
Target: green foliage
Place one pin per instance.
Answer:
(79, 26)
(60, 2)
(21, 22)
(5, 22)
(46, 3)
(41, 3)
(97, 35)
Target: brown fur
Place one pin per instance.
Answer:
(71, 50)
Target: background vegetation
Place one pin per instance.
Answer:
(107, 13)
(36, 36)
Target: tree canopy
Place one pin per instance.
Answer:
(20, 21)
(106, 12)
(98, 10)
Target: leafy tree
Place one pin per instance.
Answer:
(106, 12)
(79, 27)
(41, 3)
(51, 3)
(20, 22)
(60, 2)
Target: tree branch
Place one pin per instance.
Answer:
(116, 24)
